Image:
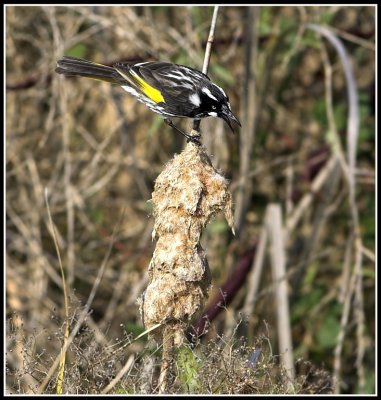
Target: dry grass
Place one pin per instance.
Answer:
(225, 365)
(98, 151)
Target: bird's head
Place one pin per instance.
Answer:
(215, 103)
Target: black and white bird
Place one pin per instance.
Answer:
(171, 90)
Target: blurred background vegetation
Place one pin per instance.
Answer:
(98, 151)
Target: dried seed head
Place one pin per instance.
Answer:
(188, 193)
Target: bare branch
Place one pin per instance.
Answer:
(208, 51)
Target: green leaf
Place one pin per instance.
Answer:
(78, 50)
(311, 39)
(340, 115)
(369, 387)
(326, 17)
(369, 272)
(265, 22)
(135, 329)
(188, 368)
(327, 334)
(217, 226)
(309, 300)
(310, 277)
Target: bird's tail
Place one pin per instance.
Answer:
(73, 66)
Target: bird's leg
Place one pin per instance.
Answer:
(190, 138)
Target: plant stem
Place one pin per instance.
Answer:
(208, 51)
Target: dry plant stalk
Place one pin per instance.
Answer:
(61, 370)
(187, 194)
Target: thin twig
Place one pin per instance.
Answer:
(341, 336)
(209, 43)
(306, 200)
(249, 118)
(349, 169)
(353, 112)
(297, 38)
(368, 253)
(127, 367)
(61, 370)
(278, 266)
(84, 312)
(368, 44)
(208, 51)
(255, 274)
(70, 218)
(289, 186)
(167, 374)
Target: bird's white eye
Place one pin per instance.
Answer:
(214, 107)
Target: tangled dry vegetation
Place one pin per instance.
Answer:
(98, 152)
(224, 365)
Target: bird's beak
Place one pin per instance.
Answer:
(229, 117)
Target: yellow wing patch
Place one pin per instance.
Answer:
(149, 91)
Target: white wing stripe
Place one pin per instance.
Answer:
(208, 93)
